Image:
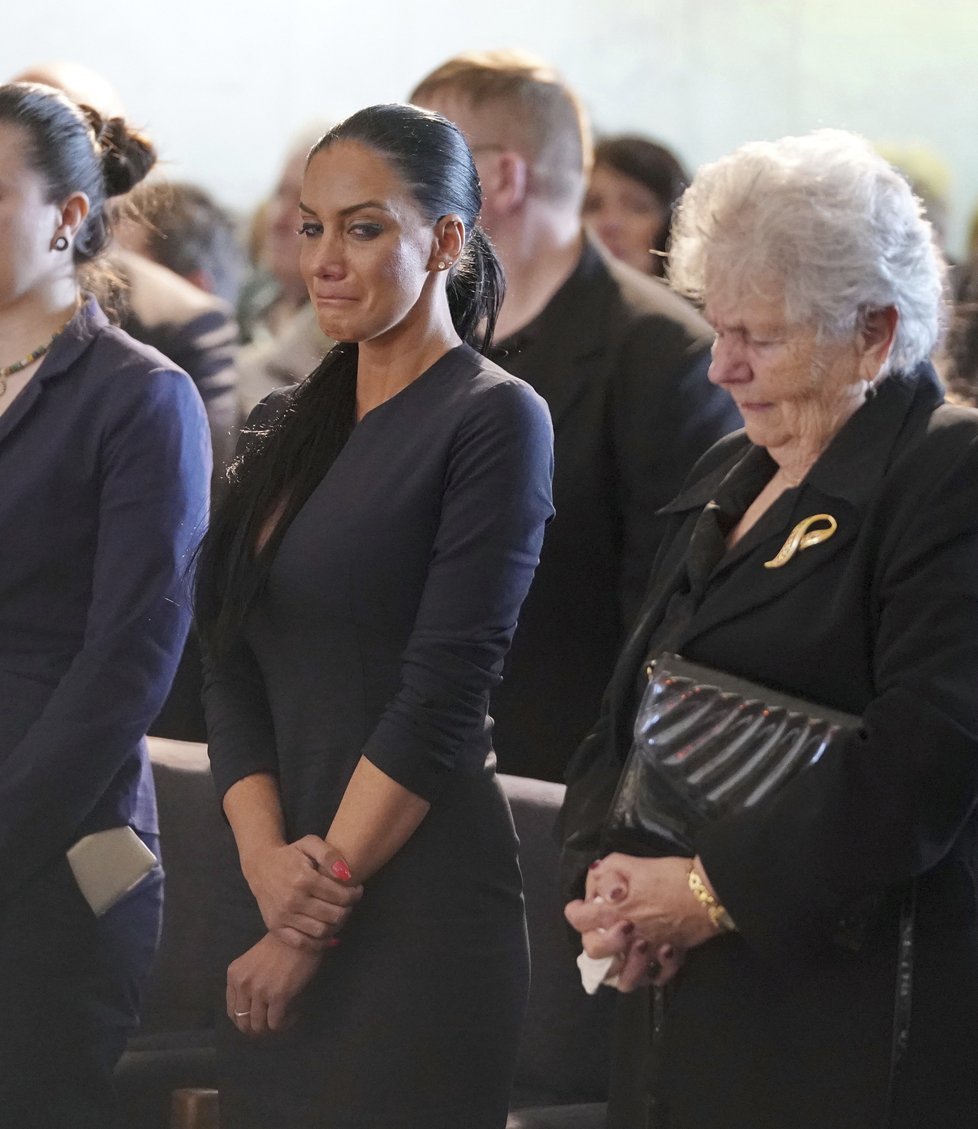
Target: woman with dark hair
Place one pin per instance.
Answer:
(105, 459)
(357, 593)
(634, 186)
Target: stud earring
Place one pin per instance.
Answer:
(61, 243)
(442, 265)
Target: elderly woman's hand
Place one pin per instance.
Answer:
(634, 964)
(654, 894)
(643, 911)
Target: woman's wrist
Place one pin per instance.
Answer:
(704, 894)
(252, 855)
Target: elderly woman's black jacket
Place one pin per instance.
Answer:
(779, 1025)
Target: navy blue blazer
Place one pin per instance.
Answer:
(104, 463)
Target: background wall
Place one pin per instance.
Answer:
(222, 86)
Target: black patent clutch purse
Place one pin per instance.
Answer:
(707, 743)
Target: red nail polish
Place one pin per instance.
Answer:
(616, 893)
(332, 942)
(628, 927)
(667, 952)
(594, 865)
(340, 870)
(642, 946)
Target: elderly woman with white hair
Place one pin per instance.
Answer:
(813, 955)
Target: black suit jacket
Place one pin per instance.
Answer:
(621, 362)
(880, 620)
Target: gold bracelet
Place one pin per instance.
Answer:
(721, 920)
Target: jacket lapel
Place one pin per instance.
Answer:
(759, 578)
(835, 493)
(69, 346)
(574, 335)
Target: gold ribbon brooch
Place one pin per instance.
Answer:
(804, 537)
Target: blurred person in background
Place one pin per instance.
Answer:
(284, 340)
(633, 189)
(958, 360)
(182, 227)
(622, 364)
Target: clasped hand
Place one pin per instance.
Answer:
(263, 983)
(641, 912)
(304, 890)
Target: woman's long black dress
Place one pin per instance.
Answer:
(392, 601)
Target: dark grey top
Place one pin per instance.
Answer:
(393, 597)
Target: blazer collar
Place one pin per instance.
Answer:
(841, 484)
(69, 345)
(575, 318)
(850, 466)
(858, 457)
(563, 350)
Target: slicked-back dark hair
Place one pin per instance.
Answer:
(282, 463)
(430, 155)
(74, 149)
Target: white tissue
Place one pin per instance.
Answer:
(596, 971)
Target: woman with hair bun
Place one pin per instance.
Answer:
(104, 457)
(357, 593)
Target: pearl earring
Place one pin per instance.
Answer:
(60, 244)
(442, 265)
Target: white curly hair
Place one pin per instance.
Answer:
(824, 223)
